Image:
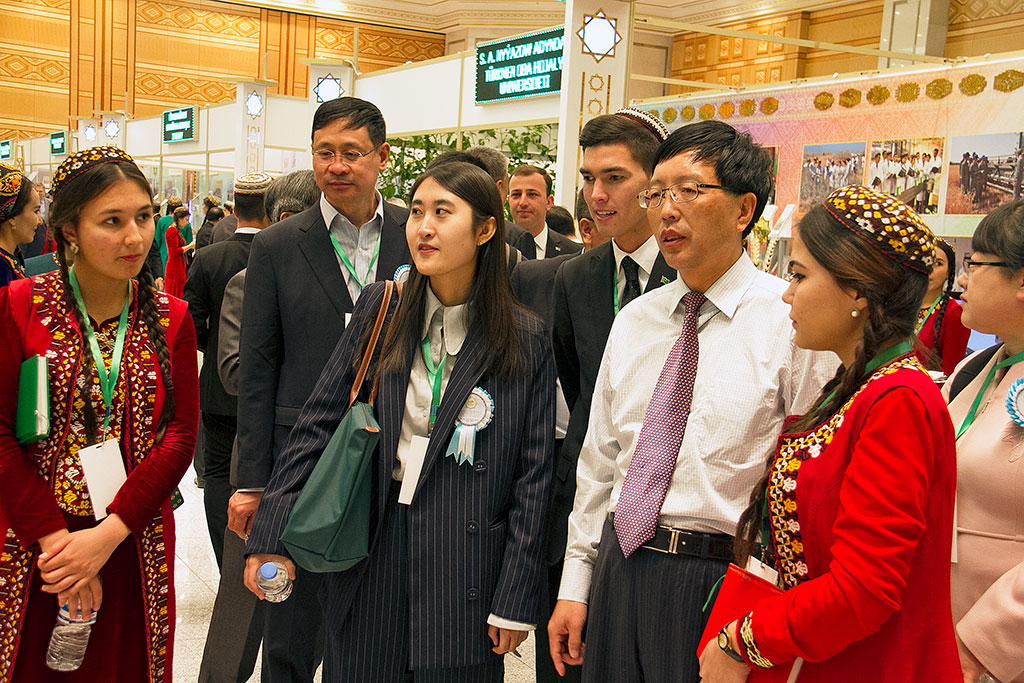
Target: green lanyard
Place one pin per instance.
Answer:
(893, 352)
(348, 264)
(107, 377)
(434, 375)
(928, 314)
(973, 412)
(615, 293)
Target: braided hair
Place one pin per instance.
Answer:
(64, 212)
(893, 293)
(935, 353)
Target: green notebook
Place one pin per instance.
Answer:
(33, 420)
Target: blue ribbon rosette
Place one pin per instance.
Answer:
(476, 414)
(1015, 402)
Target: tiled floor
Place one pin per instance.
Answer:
(196, 579)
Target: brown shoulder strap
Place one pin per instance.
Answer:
(377, 326)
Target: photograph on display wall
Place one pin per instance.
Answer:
(909, 170)
(773, 152)
(828, 167)
(984, 172)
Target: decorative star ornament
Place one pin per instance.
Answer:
(328, 88)
(254, 104)
(599, 35)
(90, 133)
(111, 129)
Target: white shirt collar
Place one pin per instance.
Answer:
(329, 212)
(726, 291)
(645, 255)
(541, 241)
(246, 231)
(453, 322)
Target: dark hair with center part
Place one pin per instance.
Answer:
(740, 164)
(357, 113)
(934, 354)
(893, 292)
(65, 210)
(490, 307)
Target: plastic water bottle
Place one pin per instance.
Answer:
(68, 642)
(272, 578)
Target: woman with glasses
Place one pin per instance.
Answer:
(855, 509)
(986, 402)
(942, 338)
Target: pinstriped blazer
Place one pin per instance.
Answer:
(474, 530)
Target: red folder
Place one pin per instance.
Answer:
(739, 593)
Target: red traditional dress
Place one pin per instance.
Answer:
(954, 337)
(861, 513)
(42, 487)
(174, 273)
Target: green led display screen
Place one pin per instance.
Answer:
(524, 66)
(179, 125)
(6, 149)
(58, 143)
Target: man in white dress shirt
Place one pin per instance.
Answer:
(640, 595)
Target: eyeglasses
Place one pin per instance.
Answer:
(681, 193)
(326, 156)
(970, 265)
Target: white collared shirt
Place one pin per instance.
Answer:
(645, 255)
(358, 243)
(445, 326)
(246, 231)
(750, 376)
(541, 241)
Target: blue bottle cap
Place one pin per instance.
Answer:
(268, 570)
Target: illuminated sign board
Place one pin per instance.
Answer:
(6, 149)
(58, 143)
(179, 124)
(524, 66)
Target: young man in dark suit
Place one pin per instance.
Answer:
(304, 276)
(204, 292)
(529, 198)
(589, 291)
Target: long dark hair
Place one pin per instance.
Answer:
(893, 292)
(64, 211)
(934, 355)
(491, 305)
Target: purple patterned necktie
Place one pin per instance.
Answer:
(657, 448)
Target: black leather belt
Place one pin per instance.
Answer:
(694, 543)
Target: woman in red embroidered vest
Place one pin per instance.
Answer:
(860, 490)
(942, 338)
(142, 402)
(19, 216)
(177, 250)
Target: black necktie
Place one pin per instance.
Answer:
(632, 291)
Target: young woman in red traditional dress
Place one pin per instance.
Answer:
(856, 509)
(942, 338)
(122, 371)
(177, 250)
(19, 216)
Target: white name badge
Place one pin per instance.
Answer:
(759, 568)
(104, 473)
(412, 461)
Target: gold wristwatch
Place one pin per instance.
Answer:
(723, 642)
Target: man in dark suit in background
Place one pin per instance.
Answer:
(529, 198)
(589, 291)
(560, 220)
(496, 164)
(204, 291)
(304, 276)
(236, 626)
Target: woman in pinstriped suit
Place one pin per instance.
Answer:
(455, 561)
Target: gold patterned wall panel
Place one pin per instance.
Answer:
(980, 26)
(859, 25)
(379, 47)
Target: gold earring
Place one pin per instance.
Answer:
(74, 247)
(855, 313)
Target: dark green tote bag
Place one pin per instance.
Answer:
(329, 526)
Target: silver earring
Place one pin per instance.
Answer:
(855, 313)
